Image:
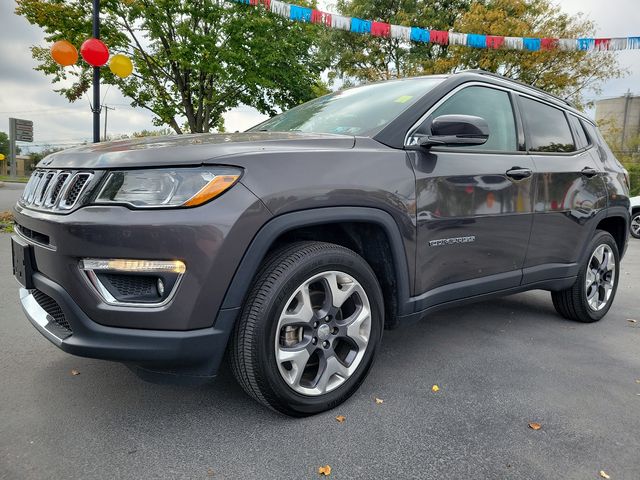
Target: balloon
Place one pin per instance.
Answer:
(94, 52)
(64, 53)
(121, 65)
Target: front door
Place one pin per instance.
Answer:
(474, 204)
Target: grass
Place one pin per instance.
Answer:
(6, 222)
(6, 178)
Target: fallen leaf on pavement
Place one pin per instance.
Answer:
(379, 401)
(341, 418)
(75, 372)
(631, 320)
(435, 388)
(534, 426)
(603, 474)
(326, 470)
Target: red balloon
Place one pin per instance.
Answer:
(94, 52)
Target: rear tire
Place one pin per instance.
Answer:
(309, 329)
(590, 297)
(635, 225)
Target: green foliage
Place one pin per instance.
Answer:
(364, 58)
(4, 144)
(48, 150)
(568, 74)
(627, 152)
(634, 176)
(194, 59)
(152, 133)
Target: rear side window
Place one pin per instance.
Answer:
(492, 105)
(547, 126)
(581, 136)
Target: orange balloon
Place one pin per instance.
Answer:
(64, 53)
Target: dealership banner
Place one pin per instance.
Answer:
(441, 37)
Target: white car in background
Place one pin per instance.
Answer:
(635, 217)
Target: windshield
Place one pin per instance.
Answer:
(355, 111)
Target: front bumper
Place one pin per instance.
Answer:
(193, 353)
(184, 336)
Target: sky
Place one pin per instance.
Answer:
(28, 94)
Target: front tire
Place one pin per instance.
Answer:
(590, 297)
(309, 330)
(635, 225)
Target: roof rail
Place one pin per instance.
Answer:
(522, 84)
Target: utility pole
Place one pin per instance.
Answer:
(96, 76)
(106, 111)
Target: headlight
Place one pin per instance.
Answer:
(171, 187)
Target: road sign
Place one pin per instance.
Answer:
(19, 131)
(23, 129)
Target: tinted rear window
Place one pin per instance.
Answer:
(547, 127)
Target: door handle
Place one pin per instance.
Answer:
(589, 172)
(518, 173)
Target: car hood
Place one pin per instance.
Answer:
(193, 149)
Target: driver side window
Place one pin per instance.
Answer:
(492, 105)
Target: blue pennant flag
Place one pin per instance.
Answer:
(360, 26)
(476, 41)
(420, 35)
(300, 14)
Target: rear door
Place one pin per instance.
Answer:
(569, 190)
(474, 204)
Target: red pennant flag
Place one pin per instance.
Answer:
(494, 41)
(438, 36)
(603, 43)
(380, 29)
(321, 17)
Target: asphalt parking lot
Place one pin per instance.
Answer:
(9, 194)
(499, 366)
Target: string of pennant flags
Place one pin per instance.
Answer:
(441, 37)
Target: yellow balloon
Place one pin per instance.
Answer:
(121, 65)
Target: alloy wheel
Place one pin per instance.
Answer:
(635, 226)
(323, 333)
(601, 277)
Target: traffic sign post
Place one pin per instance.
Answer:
(19, 131)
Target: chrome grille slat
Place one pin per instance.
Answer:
(57, 190)
(58, 183)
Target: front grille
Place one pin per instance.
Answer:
(61, 327)
(57, 190)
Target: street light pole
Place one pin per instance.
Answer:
(106, 112)
(96, 76)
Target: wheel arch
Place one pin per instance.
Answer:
(617, 224)
(357, 228)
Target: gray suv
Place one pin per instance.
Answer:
(291, 246)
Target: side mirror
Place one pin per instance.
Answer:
(462, 130)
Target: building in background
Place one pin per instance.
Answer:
(619, 119)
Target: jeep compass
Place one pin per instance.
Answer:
(291, 246)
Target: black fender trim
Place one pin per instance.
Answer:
(275, 227)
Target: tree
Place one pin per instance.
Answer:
(568, 74)
(364, 58)
(194, 59)
(4, 144)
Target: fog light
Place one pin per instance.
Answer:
(140, 266)
(144, 283)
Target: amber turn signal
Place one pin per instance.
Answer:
(212, 189)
